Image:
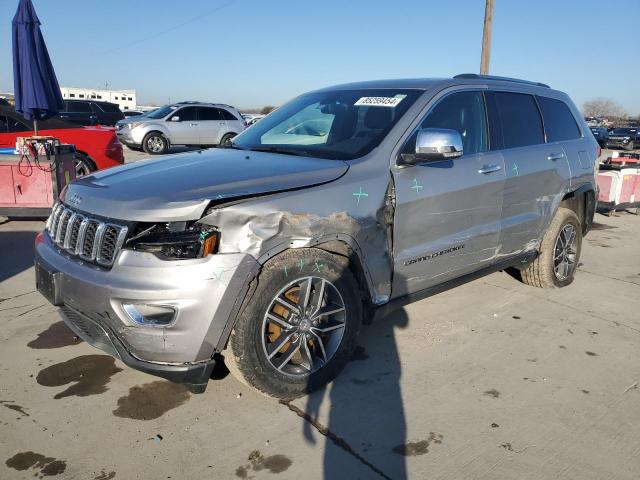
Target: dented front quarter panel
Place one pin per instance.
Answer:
(353, 209)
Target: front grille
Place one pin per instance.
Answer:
(88, 238)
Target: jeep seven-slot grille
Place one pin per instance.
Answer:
(85, 237)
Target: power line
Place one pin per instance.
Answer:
(170, 29)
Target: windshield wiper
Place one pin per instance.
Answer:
(231, 145)
(284, 151)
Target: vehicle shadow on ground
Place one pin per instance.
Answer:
(366, 415)
(16, 251)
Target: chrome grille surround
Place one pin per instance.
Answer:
(89, 238)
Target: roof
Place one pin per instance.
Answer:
(429, 83)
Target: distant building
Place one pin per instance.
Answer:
(125, 99)
(8, 96)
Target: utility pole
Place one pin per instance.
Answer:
(486, 38)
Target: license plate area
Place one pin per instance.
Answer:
(48, 284)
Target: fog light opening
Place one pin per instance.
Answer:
(151, 315)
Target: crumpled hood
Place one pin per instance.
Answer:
(179, 187)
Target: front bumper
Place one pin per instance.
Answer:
(126, 138)
(618, 143)
(206, 293)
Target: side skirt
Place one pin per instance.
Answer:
(517, 261)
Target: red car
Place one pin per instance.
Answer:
(96, 147)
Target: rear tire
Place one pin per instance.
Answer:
(560, 250)
(630, 146)
(287, 359)
(154, 143)
(84, 165)
(226, 139)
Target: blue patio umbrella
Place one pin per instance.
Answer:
(36, 89)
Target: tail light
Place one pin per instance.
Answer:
(114, 149)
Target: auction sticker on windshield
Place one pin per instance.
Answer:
(379, 101)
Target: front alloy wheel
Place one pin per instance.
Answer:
(303, 326)
(154, 144)
(299, 327)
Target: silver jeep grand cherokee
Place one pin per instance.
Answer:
(274, 250)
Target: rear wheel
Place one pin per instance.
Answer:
(155, 144)
(226, 139)
(84, 165)
(299, 328)
(560, 250)
(630, 146)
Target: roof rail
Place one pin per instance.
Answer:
(502, 79)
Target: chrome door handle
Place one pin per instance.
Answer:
(555, 156)
(489, 169)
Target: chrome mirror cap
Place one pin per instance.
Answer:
(433, 144)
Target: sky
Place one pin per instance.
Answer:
(251, 53)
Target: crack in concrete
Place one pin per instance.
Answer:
(31, 310)
(16, 296)
(610, 278)
(337, 441)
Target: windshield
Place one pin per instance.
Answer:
(161, 112)
(335, 124)
(624, 131)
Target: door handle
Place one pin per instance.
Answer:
(193, 124)
(555, 156)
(489, 169)
(222, 123)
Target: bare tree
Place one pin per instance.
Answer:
(602, 107)
(267, 109)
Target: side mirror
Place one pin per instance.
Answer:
(434, 144)
(175, 118)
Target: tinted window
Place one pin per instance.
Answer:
(187, 113)
(14, 125)
(209, 114)
(227, 115)
(518, 120)
(558, 120)
(109, 107)
(465, 113)
(78, 107)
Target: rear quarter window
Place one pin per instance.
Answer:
(515, 120)
(109, 107)
(559, 122)
(227, 115)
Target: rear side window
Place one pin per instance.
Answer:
(559, 122)
(227, 115)
(515, 118)
(109, 107)
(209, 114)
(79, 107)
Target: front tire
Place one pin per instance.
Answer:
(560, 250)
(154, 143)
(299, 328)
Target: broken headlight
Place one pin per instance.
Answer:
(169, 243)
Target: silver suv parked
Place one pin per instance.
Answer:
(274, 250)
(185, 123)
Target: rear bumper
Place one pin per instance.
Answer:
(205, 294)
